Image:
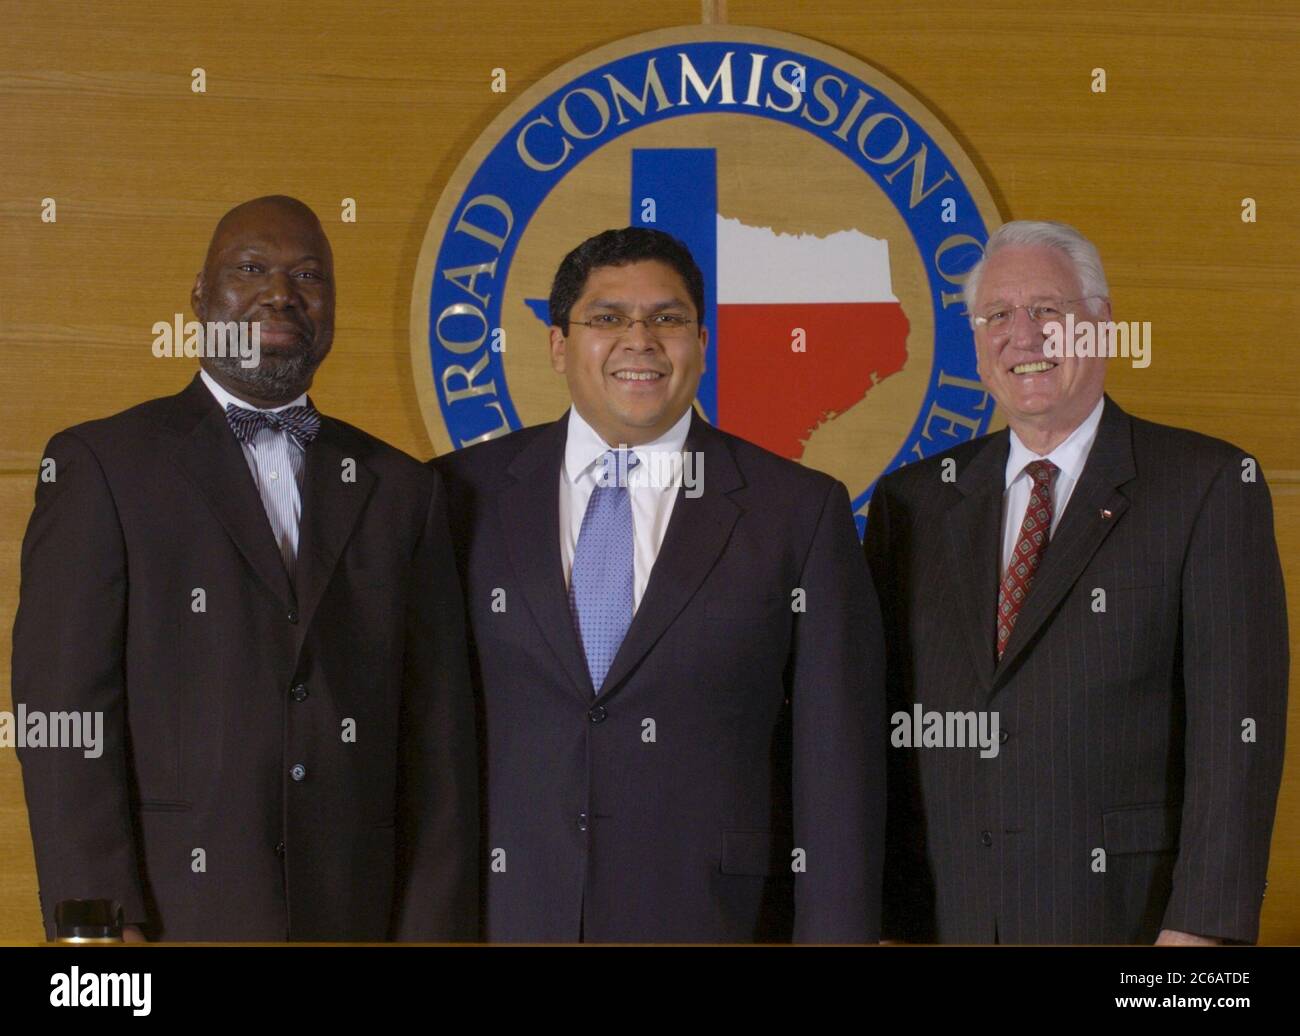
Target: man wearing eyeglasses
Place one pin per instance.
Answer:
(681, 678)
(1109, 590)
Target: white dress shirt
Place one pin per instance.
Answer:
(277, 464)
(652, 504)
(1070, 456)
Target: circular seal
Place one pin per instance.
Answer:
(832, 215)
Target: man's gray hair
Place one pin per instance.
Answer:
(1081, 252)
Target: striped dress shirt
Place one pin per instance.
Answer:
(277, 464)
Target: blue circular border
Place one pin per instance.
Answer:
(502, 173)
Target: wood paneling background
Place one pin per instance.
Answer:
(337, 100)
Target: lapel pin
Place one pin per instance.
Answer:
(1107, 514)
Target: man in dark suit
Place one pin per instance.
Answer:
(288, 747)
(1108, 590)
(680, 678)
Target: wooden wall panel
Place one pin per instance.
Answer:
(334, 100)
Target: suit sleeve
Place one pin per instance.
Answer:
(68, 650)
(1234, 662)
(839, 764)
(436, 895)
(908, 891)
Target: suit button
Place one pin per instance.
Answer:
(598, 714)
(292, 616)
(582, 821)
(279, 849)
(986, 838)
(298, 692)
(299, 772)
(1004, 736)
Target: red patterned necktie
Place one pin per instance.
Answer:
(1035, 531)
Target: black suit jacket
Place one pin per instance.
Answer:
(1121, 715)
(192, 817)
(667, 804)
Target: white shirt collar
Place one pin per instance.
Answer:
(223, 397)
(1070, 456)
(584, 446)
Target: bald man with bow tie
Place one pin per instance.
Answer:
(262, 603)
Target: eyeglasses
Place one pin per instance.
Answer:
(659, 325)
(1000, 318)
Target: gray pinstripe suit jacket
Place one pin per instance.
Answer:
(1123, 730)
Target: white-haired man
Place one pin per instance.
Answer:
(1109, 591)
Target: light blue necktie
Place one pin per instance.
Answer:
(600, 585)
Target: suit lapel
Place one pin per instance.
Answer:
(1094, 509)
(530, 522)
(212, 459)
(330, 509)
(972, 542)
(697, 533)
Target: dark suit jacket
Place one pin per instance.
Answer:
(730, 731)
(1121, 730)
(207, 712)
